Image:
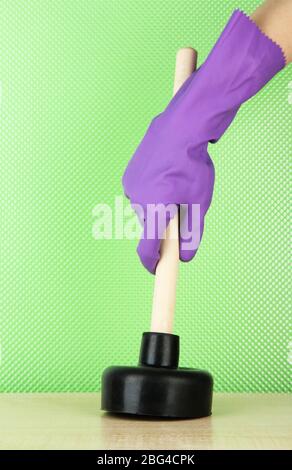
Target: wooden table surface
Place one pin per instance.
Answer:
(73, 421)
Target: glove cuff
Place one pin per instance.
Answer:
(241, 62)
(245, 60)
(243, 41)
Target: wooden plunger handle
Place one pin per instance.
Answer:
(167, 268)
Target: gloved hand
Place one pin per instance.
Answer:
(171, 164)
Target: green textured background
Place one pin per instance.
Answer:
(80, 81)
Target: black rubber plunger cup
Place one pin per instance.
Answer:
(157, 386)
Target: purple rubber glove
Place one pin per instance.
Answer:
(171, 164)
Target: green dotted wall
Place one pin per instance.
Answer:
(80, 81)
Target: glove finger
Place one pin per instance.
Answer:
(155, 223)
(191, 230)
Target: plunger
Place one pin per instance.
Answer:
(157, 386)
